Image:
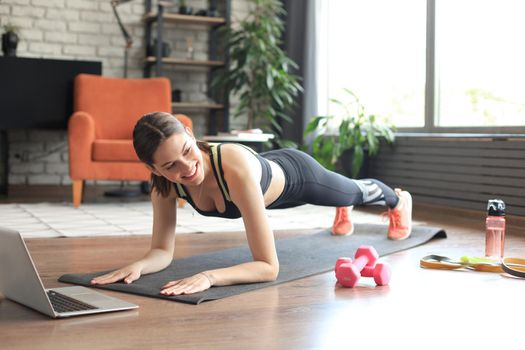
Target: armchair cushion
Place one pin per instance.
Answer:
(114, 151)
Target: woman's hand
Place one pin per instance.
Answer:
(129, 274)
(188, 285)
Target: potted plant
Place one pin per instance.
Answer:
(10, 40)
(259, 70)
(356, 132)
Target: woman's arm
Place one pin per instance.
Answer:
(242, 177)
(163, 236)
(160, 254)
(246, 194)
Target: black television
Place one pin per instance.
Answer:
(37, 93)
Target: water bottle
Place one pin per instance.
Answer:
(495, 229)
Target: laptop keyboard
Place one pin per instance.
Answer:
(63, 303)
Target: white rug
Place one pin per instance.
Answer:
(109, 219)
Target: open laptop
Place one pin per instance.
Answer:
(20, 282)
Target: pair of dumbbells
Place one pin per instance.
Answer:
(364, 265)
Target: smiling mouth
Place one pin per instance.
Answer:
(192, 174)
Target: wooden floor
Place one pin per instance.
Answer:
(420, 309)
(58, 194)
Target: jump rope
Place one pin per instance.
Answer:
(512, 266)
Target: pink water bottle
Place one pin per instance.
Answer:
(495, 229)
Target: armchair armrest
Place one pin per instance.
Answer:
(81, 135)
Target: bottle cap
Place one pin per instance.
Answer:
(496, 207)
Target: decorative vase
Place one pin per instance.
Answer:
(166, 49)
(185, 10)
(9, 44)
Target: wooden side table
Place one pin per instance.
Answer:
(255, 141)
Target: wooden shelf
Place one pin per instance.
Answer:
(184, 62)
(196, 105)
(176, 18)
(161, 18)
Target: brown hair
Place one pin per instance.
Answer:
(150, 131)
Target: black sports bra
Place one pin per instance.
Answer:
(231, 211)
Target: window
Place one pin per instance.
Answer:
(376, 49)
(480, 61)
(463, 74)
(379, 56)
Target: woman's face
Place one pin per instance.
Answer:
(179, 159)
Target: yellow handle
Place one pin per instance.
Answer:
(512, 266)
(444, 263)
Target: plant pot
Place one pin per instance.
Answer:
(9, 44)
(345, 165)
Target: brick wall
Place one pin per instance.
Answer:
(88, 30)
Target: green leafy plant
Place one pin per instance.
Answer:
(259, 70)
(356, 131)
(11, 28)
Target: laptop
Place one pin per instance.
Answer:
(20, 282)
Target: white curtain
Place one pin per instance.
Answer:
(315, 68)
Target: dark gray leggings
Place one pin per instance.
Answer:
(308, 182)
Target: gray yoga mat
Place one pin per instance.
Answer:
(299, 257)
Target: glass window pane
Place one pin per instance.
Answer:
(480, 60)
(376, 48)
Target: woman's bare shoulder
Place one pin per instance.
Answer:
(241, 169)
(157, 196)
(233, 148)
(236, 157)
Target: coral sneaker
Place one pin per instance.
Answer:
(401, 217)
(342, 225)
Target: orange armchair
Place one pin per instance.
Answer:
(101, 128)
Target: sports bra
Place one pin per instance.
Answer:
(231, 211)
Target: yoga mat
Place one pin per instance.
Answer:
(299, 257)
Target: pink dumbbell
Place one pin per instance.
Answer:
(348, 273)
(341, 261)
(381, 273)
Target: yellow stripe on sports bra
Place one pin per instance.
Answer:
(181, 191)
(215, 156)
(248, 148)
